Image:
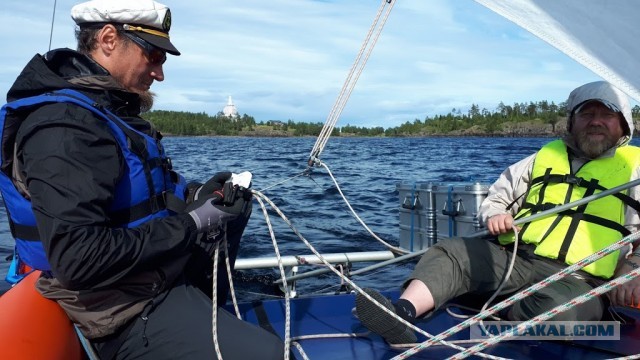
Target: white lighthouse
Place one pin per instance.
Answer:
(230, 110)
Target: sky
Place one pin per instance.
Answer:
(288, 59)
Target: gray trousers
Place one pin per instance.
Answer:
(455, 266)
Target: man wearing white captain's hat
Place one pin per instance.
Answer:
(112, 237)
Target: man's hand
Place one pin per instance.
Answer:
(216, 183)
(209, 213)
(627, 294)
(500, 224)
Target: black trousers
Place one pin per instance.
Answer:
(180, 327)
(178, 323)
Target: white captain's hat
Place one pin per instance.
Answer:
(147, 19)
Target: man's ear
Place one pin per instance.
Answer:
(107, 40)
(570, 122)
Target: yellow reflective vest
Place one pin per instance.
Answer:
(571, 235)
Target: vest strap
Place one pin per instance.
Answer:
(575, 220)
(578, 181)
(174, 203)
(24, 232)
(163, 201)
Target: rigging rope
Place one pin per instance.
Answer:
(214, 298)
(352, 79)
(394, 249)
(549, 314)
(53, 20)
(259, 196)
(439, 339)
(287, 332)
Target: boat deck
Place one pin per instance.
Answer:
(332, 314)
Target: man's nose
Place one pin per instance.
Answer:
(158, 73)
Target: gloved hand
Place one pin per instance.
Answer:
(216, 183)
(210, 212)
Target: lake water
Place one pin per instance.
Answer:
(367, 170)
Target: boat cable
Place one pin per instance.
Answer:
(53, 20)
(214, 297)
(627, 240)
(284, 280)
(260, 197)
(287, 332)
(300, 350)
(503, 282)
(602, 289)
(392, 248)
(303, 173)
(351, 80)
(232, 290)
(482, 314)
(567, 206)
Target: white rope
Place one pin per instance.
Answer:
(395, 249)
(300, 350)
(287, 329)
(214, 298)
(549, 314)
(259, 195)
(283, 181)
(434, 340)
(232, 289)
(352, 79)
(522, 294)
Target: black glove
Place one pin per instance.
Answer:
(212, 211)
(216, 183)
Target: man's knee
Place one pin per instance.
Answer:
(533, 306)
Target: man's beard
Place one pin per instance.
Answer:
(146, 100)
(591, 147)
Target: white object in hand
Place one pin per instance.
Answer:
(243, 179)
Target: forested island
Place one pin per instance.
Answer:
(520, 119)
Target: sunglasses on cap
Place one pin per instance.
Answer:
(154, 54)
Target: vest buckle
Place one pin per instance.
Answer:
(572, 179)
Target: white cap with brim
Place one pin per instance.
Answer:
(149, 20)
(605, 93)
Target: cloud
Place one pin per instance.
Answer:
(288, 59)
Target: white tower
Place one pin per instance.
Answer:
(230, 110)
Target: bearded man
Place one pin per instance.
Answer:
(592, 157)
(95, 204)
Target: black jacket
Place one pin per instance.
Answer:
(71, 163)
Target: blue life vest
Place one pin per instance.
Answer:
(147, 189)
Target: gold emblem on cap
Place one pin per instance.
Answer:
(166, 23)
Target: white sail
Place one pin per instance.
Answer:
(602, 35)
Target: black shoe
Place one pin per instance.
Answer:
(381, 323)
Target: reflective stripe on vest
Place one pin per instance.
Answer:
(147, 171)
(572, 235)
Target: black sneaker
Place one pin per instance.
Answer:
(381, 323)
